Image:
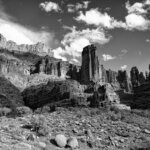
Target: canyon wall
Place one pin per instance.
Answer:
(38, 48)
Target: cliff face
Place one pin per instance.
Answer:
(38, 48)
(124, 81)
(24, 60)
(56, 67)
(90, 70)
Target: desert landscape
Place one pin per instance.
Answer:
(74, 75)
(47, 103)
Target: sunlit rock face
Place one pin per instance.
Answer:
(38, 48)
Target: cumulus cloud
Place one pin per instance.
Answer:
(59, 53)
(75, 40)
(94, 17)
(50, 6)
(124, 67)
(100, 19)
(107, 57)
(76, 7)
(147, 2)
(137, 16)
(135, 21)
(136, 8)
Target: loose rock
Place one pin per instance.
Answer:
(61, 140)
(73, 142)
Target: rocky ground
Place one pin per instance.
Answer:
(91, 128)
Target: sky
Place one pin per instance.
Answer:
(120, 29)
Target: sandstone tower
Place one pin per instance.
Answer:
(90, 70)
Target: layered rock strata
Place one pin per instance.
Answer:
(38, 48)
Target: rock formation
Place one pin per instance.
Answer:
(52, 92)
(104, 96)
(38, 48)
(124, 80)
(134, 73)
(10, 96)
(90, 65)
(44, 79)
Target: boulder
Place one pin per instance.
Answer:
(73, 142)
(61, 140)
(121, 107)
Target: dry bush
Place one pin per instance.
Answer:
(39, 125)
(5, 111)
(23, 110)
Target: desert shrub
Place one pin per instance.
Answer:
(115, 117)
(52, 107)
(39, 125)
(114, 109)
(23, 110)
(5, 111)
(46, 109)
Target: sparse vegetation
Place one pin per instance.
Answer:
(5, 111)
(39, 125)
(23, 110)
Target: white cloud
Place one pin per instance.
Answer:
(50, 6)
(86, 4)
(20, 34)
(95, 17)
(58, 53)
(137, 16)
(147, 2)
(124, 67)
(136, 8)
(79, 6)
(76, 40)
(107, 57)
(135, 21)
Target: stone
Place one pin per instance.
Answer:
(146, 131)
(73, 142)
(31, 137)
(22, 146)
(90, 135)
(42, 145)
(121, 107)
(61, 140)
